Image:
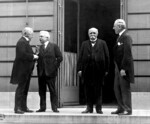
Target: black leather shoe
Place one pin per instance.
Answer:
(116, 112)
(27, 110)
(56, 111)
(88, 111)
(99, 111)
(41, 110)
(19, 111)
(126, 113)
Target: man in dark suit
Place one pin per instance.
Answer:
(124, 70)
(93, 65)
(22, 69)
(49, 61)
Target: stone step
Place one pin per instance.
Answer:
(73, 115)
(140, 100)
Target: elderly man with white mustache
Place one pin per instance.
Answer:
(48, 63)
(93, 65)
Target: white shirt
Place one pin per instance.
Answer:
(46, 43)
(26, 38)
(94, 42)
(122, 32)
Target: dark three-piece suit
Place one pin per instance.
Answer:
(47, 67)
(94, 63)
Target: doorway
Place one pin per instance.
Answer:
(80, 15)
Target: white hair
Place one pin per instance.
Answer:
(121, 23)
(93, 30)
(27, 31)
(45, 33)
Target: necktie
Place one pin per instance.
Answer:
(43, 47)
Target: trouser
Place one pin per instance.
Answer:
(122, 91)
(45, 81)
(93, 96)
(21, 94)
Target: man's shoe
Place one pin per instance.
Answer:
(88, 111)
(99, 111)
(41, 110)
(126, 113)
(56, 111)
(116, 112)
(19, 111)
(27, 110)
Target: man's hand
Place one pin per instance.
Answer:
(122, 72)
(80, 73)
(106, 73)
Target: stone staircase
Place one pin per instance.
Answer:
(72, 114)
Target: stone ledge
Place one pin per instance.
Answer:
(140, 100)
(74, 116)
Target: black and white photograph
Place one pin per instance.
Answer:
(74, 61)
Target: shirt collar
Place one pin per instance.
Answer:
(46, 43)
(122, 32)
(26, 38)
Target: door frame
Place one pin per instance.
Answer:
(59, 37)
(123, 10)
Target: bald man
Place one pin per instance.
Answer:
(124, 69)
(48, 63)
(93, 65)
(22, 70)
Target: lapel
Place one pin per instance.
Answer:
(96, 44)
(120, 38)
(42, 49)
(89, 45)
(24, 39)
(49, 47)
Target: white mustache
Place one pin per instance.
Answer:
(92, 37)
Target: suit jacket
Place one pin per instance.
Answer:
(49, 60)
(100, 53)
(123, 56)
(23, 64)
